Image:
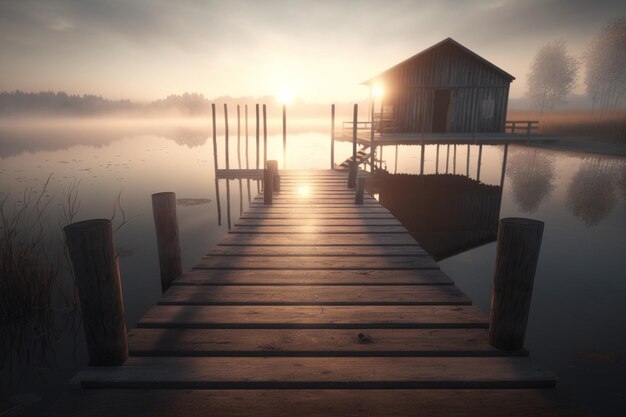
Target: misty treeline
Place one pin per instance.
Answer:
(554, 71)
(187, 104)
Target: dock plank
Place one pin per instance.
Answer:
(314, 317)
(313, 342)
(252, 221)
(313, 372)
(311, 403)
(328, 239)
(313, 277)
(379, 251)
(315, 295)
(316, 262)
(369, 229)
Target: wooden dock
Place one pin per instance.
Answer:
(314, 306)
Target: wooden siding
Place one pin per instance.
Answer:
(410, 90)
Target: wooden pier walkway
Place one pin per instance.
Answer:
(314, 306)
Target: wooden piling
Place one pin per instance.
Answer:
(519, 243)
(264, 136)
(166, 225)
(332, 136)
(226, 135)
(91, 249)
(284, 137)
(257, 137)
(268, 181)
(246, 125)
(480, 159)
(372, 146)
(273, 166)
(238, 137)
(353, 165)
(360, 190)
(214, 138)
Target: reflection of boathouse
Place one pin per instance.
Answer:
(444, 89)
(447, 214)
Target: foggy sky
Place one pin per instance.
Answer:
(319, 50)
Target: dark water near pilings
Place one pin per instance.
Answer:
(577, 316)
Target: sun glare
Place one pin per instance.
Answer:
(377, 90)
(285, 97)
(303, 191)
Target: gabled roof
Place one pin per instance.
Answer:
(447, 41)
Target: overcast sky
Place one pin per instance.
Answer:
(318, 50)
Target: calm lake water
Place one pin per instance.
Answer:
(578, 313)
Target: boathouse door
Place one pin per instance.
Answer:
(441, 110)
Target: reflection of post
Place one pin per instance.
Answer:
(92, 253)
(506, 152)
(454, 160)
(395, 167)
(380, 162)
(519, 243)
(437, 161)
(217, 184)
(447, 157)
(422, 158)
(264, 136)
(228, 202)
(480, 160)
(332, 136)
(467, 161)
(284, 136)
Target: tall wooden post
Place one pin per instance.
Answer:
(360, 190)
(91, 249)
(372, 146)
(226, 135)
(246, 125)
(238, 137)
(284, 136)
(480, 160)
(270, 171)
(332, 136)
(166, 224)
(217, 183)
(353, 165)
(257, 137)
(519, 243)
(264, 136)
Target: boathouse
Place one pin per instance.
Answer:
(444, 89)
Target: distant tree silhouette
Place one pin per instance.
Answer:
(532, 175)
(605, 63)
(592, 193)
(552, 76)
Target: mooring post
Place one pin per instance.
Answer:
(91, 249)
(284, 137)
(273, 166)
(264, 136)
(226, 135)
(332, 136)
(268, 181)
(353, 165)
(519, 242)
(360, 190)
(166, 225)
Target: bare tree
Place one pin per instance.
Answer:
(552, 75)
(605, 63)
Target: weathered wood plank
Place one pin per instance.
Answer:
(303, 215)
(315, 295)
(328, 239)
(313, 277)
(313, 342)
(344, 210)
(319, 229)
(313, 317)
(251, 221)
(316, 262)
(381, 251)
(311, 403)
(305, 372)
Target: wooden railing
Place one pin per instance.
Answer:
(521, 127)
